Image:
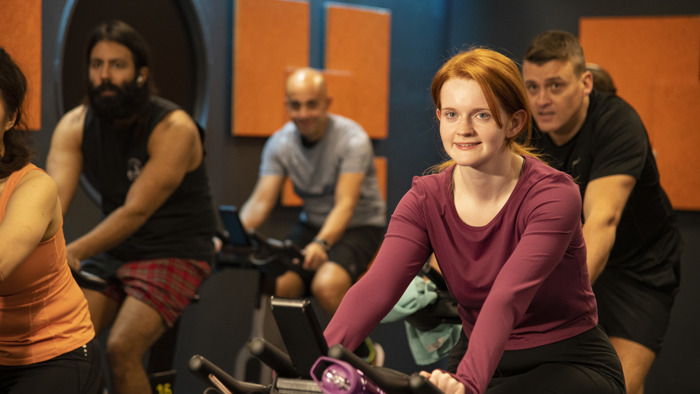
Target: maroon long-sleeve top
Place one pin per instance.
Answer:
(521, 281)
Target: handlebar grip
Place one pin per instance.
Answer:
(202, 368)
(389, 380)
(421, 385)
(273, 357)
(293, 249)
(88, 280)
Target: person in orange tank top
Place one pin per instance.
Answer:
(47, 340)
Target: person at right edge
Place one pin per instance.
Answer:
(634, 247)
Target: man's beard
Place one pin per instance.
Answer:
(127, 101)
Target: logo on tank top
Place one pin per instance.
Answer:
(133, 168)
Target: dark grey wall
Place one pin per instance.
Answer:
(424, 33)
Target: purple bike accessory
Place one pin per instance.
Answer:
(338, 377)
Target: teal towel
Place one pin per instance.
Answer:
(419, 294)
(427, 347)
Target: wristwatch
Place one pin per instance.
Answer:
(323, 243)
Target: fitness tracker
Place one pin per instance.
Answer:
(323, 243)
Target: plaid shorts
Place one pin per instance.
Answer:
(167, 285)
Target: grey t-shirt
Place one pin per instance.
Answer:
(314, 170)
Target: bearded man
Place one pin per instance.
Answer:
(145, 157)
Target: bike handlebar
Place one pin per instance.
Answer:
(269, 255)
(88, 280)
(269, 249)
(389, 380)
(274, 357)
(419, 384)
(205, 369)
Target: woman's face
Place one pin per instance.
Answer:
(468, 129)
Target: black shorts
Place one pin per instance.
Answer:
(354, 251)
(76, 372)
(632, 310)
(586, 363)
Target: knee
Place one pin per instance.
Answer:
(289, 285)
(329, 293)
(329, 289)
(288, 292)
(120, 351)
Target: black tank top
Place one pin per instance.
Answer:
(114, 156)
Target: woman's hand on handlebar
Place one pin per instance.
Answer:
(314, 256)
(444, 381)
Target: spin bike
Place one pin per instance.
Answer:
(285, 361)
(270, 257)
(309, 366)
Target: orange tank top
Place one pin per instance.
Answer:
(43, 312)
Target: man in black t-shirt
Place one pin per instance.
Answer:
(633, 243)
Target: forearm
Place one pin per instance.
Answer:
(336, 223)
(600, 238)
(603, 203)
(261, 202)
(373, 296)
(254, 214)
(111, 231)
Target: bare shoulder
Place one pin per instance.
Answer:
(178, 120)
(38, 182)
(176, 138)
(75, 117)
(72, 122)
(176, 127)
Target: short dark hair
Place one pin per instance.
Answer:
(13, 88)
(556, 45)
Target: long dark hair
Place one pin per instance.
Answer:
(13, 88)
(122, 33)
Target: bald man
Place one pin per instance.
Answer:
(330, 161)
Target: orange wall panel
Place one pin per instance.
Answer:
(655, 63)
(340, 86)
(270, 36)
(677, 150)
(643, 51)
(20, 35)
(381, 164)
(358, 39)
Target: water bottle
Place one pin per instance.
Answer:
(338, 377)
